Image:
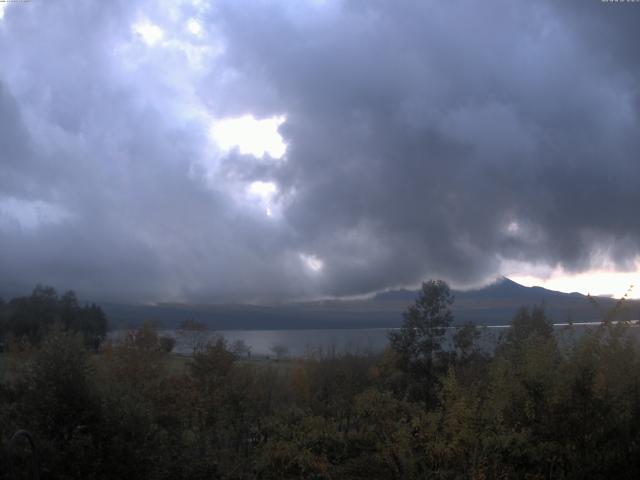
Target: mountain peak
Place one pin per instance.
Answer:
(502, 280)
(499, 283)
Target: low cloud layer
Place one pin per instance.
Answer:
(424, 139)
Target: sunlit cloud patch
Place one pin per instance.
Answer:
(264, 193)
(194, 27)
(250, 135)
(150, 33)
(312, 263)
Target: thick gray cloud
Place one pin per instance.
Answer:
(425, 139)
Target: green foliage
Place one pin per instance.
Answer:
(418, 344)
(211, 364)
(425, 323)
(57, 399)
(535, 408)
(58, 385)
(167, 344)
(32, 316)
(465, 342)
(527, 323)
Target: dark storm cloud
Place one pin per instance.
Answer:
(83, 135)
(433, 138)
(424, 139)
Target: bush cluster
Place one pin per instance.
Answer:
(533, 407)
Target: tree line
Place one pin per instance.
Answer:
(29, 318)
(533, 407)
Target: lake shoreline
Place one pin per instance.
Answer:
(304, 342)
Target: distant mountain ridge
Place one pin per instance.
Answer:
(503, 287)
(494, 304)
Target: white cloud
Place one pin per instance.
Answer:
(597, 281)
(264, 193)
(150, 33)
(312, 262)
(264, 190)
(250, 135)
(194, 27)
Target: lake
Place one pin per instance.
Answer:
(326, 341)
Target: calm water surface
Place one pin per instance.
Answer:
(302, 342)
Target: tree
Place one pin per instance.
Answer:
(31, 317)
(94, 324)
(59, 403)
(279, 350)
(418, 344)
(241, 349)
(211, 364)
(464, 341)
(527, 323)
(167, 344)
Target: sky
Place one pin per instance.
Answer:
(263, 150)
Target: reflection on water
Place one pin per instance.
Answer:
(359, 341)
